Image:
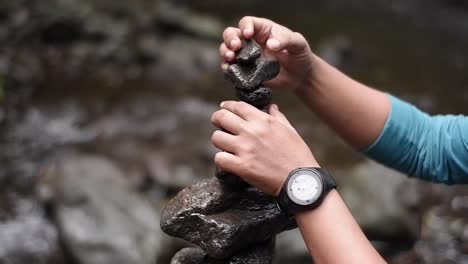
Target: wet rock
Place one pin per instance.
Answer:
(249, 53)
(338, 51)
(260, 254)
(175, 17)
(62, 32)
(259, 97)
(231, 180)
(186, 58)
(220, 221)
(28, 237)
(291, 248)
(443, 237)
(369, 190)
(249, 77)
(101, 219)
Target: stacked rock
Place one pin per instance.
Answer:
(230, 221)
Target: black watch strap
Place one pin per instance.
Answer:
(288, 207)
(329, 182)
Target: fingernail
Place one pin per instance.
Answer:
(273, 44)
(221, 104)
(275, 106)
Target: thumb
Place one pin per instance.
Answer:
(274, 111)
(256, 28)
(292, 42)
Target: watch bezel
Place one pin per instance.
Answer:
(298, 172)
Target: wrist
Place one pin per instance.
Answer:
(289, 168)
(311, 80)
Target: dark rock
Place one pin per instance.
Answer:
(229, 179)
(248, 77)
(259, 97)
(260, 254)
(220, 221)
(249, 53)
(62, 32)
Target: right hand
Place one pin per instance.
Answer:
(289, 48)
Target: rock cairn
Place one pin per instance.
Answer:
(230, 221)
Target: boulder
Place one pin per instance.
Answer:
(101, 219)
(383, 201)
(221, 221)
(28, 237)
(259, 254)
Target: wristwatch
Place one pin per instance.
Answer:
(305, 189)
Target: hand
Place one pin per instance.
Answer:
(262, 147)
(289, 48)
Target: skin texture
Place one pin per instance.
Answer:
(263, 148)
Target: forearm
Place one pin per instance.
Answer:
(333, 236)
(356, 112)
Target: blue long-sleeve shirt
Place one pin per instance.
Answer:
(433, 148)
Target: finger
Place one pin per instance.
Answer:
(231, 37)
(227, 161)
(242, 109)
(224, 141)
(293, 42)
(257, 28)
(224, 67)
(227, 54)
(227, 120)
(274, 111)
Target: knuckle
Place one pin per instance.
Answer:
(268, 119)
(235, 107)
(249, 167)
(242, 104)
(214, 117)
(246, 148)
(228, 31)
(218, 116)
(261, 131)
(221, 114)
(245, 19)
(297, 35)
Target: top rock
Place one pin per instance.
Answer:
(250, 51)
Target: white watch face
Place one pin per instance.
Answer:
(305, 187)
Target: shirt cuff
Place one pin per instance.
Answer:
(386, 148)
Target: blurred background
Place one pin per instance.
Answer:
(105, 109)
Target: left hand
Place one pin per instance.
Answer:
(263, 148)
